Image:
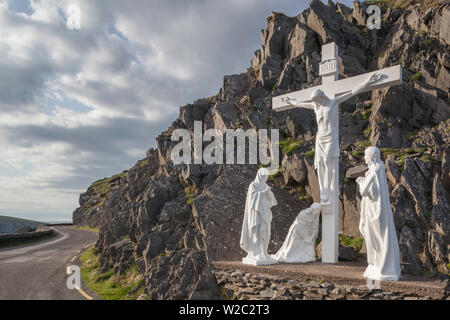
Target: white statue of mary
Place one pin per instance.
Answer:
(256, 226)
(376, 222)
(298, 247)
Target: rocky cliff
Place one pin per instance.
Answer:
(172, 221)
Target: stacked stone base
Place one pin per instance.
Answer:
(240, 285)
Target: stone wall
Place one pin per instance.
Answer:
(240, 285)
(15, 237)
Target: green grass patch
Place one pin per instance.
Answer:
(366, 114)
(362, 145)
(346, 241)
(86, 228)
(289, 146)
(368, 105)
(107, 285)
(102, 186)
(400, 154)
(306, 198)
(223, 293)
(318, 240)
(127, 237)
(189, 194)
(417, 76)
(276, 178)
(412, 136)
(310, 154)
(358, 154)
(143, 163)
(367, 132)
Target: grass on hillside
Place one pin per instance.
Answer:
(289, 146)
(16, 243)
(346, 241)
(401, 154)
(86, 228)
(107, 285)
(189, 193)
(102, 186)
(417, 76)
(25, 221)
(310, 154)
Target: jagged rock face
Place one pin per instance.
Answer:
(180, 218)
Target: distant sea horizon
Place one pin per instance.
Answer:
(45, 218)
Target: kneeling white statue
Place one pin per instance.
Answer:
(376, 222)
(298, 247)
(256, 226)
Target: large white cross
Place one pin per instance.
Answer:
(332, 86)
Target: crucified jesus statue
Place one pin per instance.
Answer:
(327, 138)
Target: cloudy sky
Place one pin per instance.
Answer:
(79, 105)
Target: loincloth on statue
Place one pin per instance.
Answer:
(327, 146)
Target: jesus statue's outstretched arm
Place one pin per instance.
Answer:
(295, 103)
(373, 79)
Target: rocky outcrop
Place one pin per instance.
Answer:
(172, 221)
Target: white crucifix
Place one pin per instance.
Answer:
(325, 100)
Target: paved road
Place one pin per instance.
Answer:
(38, 272)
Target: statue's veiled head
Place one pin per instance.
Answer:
(309, 214)
(319, 96)
(262, 175)
(372, 156)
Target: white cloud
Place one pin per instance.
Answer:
(78, 105)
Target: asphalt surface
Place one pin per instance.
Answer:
(38, 271)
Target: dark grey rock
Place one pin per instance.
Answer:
(294, 169)
(356, 172)
(440, 216)
(347, 253)
(392, 172)
(225, 115)
(409, 251)
(234, 86)
(417, 184)
(444, 32)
